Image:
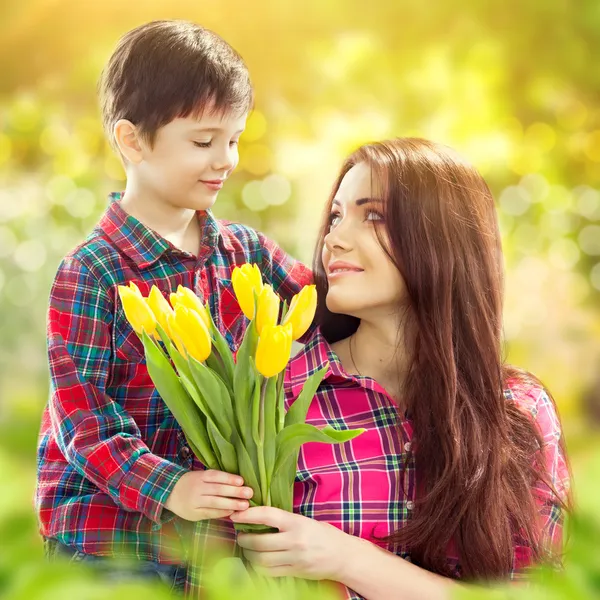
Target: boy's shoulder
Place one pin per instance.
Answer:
(97, 256)
(234, 233)
(244, 241)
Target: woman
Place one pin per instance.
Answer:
(462, 472)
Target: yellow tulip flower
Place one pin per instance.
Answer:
(186, 297)
(246, 280)
(302, 311)
(135, 288)
(274, 349)
(160, 307)
(173, 332)
(188, 328)
(267, 311)
(137, 311)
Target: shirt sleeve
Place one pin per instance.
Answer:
(286, 274)
(95, 434)
(550, 511)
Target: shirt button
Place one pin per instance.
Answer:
(410, 505)
(407, 447)
(185, 453)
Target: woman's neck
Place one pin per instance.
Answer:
(377, 350)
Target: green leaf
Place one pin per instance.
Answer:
(185, 374)
(284, 311)
(227, 453)
(215, 393)
(270, 425)
(247, 470)
(292, 437)
(180, 363)
(178, 401)
(163, 335)
(255, 404)
(282, 484)
(280, 413)
(244, 380)
(213, 442)
(297, 411)
(215, 362)
(222, 347)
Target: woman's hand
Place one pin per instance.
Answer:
(303, 547)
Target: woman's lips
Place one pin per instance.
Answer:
(337, 274)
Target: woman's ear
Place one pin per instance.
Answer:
(128, 140)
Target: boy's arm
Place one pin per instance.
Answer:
(95, 434)
(286, 274)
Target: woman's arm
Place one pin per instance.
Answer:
(315, 550)
(378, 574)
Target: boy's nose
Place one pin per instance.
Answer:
(226, 160)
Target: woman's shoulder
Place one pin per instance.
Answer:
(532, 397)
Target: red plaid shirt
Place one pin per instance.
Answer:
(109, 450)
(359, 486)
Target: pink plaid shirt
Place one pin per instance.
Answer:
(360, 486)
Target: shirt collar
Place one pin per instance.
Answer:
(145, 246)
(316, 352)
(313, 357)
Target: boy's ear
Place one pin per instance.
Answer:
(128, 140)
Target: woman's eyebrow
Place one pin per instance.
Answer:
(360, 201)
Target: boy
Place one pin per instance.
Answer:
(114, 473)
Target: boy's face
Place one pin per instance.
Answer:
(191, 158)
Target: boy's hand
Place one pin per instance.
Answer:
(211, 494)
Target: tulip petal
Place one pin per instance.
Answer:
(137, 311)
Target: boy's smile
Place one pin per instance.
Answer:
(188, 162)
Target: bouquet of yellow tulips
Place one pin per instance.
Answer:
(232, 412)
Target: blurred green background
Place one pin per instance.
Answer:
(513, 85)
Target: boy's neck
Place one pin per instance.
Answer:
(177, 225)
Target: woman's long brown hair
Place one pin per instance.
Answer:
(477, 455)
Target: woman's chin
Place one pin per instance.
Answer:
(341, 304)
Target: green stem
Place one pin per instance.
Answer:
(262, 468)
(280, 402)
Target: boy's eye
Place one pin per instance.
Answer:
(202, 144)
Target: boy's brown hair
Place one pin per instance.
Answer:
(164, 70)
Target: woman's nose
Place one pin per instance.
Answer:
(339, 237)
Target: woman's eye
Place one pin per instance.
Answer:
(234, 142)
(333, 217)
(202, 144)
(373, 215)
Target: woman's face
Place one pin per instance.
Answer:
(363, 281)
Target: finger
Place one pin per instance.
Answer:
(284, 571)
(264, 542)
(214, 476)
(270, 559)
(210, 513)
(221, 503)
(229, 491)
(265, 515)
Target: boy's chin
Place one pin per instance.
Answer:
(203, 202)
